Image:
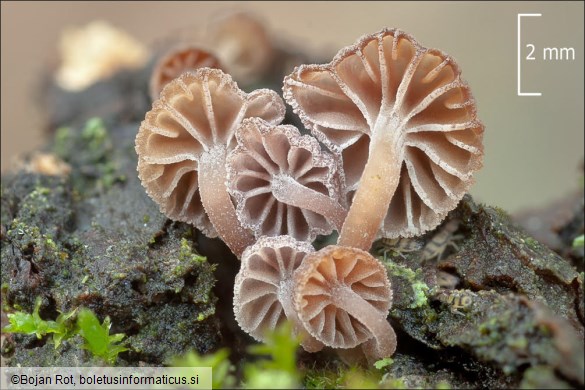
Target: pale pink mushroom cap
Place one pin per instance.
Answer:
(283, 183)
(405, 125)
(182, 145)
(342, 296)
(263, 289)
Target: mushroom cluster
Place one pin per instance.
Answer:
(403, 142)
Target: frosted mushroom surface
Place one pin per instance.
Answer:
(342, 296)
(405, 125)
(283, 183)
(263, 289)
(182, 145)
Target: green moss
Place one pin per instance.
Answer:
(32, 323)
(579, 241)
(97, 336)
(29, 239)
(96, 167)
(323, 379)
(203, 315)
(420, 289)
(188, 255)
(274, 368)
(219, 363)
(63, 142)
(383, 363)
(95, 135)
(279, 371)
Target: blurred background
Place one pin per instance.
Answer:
(533, 145)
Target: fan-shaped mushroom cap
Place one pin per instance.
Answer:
(342, 296)
(282, 182)
(242, 45)
(182, 145)
(402, 119)
(176, 62)
(263, 288)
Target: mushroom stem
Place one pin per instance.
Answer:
(288, 190)
(218, 203)
(346, 299)
(377, 185)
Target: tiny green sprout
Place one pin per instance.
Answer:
(188, 255)
(386, 362)
(579, 242)
(281, 370)
(32, 323)
(64, 323)
(219, 363)
(94, 132)
(21, 322)
(97, 336)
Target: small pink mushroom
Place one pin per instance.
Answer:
(342, 296)
(263, 289)
(182, 146)
(403, 122)
(283, 183)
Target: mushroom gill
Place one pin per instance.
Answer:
(182, 145)
(264, 286)
(283, 183)
(176, 62)
(342, 296)
(405, 126)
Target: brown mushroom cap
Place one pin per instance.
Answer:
(283, 183)
(182, 145)
(342, 296)
(405, 125)
(176, 62)
(263, 287)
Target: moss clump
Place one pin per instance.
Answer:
(91, 249)
(32, 323)
(97, 338)
(420, 290)
(410, 302)
(95, 169)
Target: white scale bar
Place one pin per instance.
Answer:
(520, 93)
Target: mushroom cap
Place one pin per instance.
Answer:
(195, 114)
(387, 82)
(177, 61)
(263, 287)
(319, 279)
(267, 155)
(242, 45)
